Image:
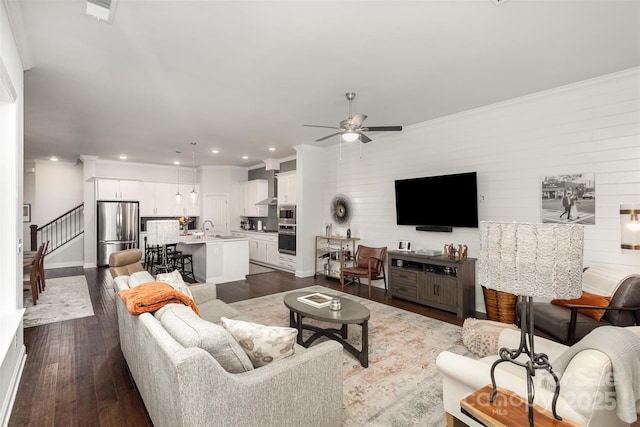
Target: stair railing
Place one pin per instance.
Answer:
(60, 231)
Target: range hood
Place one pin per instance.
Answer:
(272, 191)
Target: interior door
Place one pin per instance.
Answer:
(216, 209)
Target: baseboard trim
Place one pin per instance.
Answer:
(51, 265)
(15, 382)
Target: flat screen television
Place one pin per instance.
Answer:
(437, 203)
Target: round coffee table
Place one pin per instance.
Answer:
(351, 313)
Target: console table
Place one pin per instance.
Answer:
(435, 281)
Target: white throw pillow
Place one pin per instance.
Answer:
(263, 344)
(175, 280)
(139, 277)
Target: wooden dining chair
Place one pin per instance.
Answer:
(368, 263)
(41, 282)
(32, 276)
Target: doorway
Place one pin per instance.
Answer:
(216, 209)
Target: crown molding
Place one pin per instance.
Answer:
(14, 14)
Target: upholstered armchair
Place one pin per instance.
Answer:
(368, 263)
(587, 393)
(610, 298)
(125, 263)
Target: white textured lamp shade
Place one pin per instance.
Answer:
(163, 232)
(536, 260)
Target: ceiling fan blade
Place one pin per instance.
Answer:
(318, 126)
(382, 128)
(328, 136)
(357, 120)
(364, 138)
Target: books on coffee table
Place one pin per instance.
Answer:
(317, 300)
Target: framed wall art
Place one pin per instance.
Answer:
(26, 212)
(569, 199)
(404, 245)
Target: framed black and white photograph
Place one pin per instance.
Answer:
(404, 245)
(26, 212)
(569, 199)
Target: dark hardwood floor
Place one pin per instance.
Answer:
(75, 374)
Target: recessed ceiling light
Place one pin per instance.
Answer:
(245, 157)
(54, 159)
(272, 149)
(215, 151)
(176, 163)
(123, 157)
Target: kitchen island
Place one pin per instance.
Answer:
(217, 259)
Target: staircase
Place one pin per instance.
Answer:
(60, 231)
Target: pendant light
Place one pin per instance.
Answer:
(178, 195)
(193, 195)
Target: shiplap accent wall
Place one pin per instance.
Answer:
(591, 126)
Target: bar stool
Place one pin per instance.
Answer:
(152, 255)
(184, 264)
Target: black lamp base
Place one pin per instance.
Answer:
(536, 360)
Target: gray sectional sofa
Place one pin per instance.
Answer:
(191, 372)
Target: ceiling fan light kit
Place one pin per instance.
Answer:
(351, 129)
(350, 136)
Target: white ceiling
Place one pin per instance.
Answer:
(243, 76)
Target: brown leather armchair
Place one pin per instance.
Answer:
(125, 263)
(565, 324)
(368, 263)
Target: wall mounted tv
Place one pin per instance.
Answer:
(438, 203)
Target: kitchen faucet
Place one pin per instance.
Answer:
(204, 230)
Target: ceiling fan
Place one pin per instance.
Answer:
(351, 129)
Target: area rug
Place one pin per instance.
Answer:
(402, 385)
(64, 298)
(258, 269)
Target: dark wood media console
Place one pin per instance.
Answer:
(435, 281)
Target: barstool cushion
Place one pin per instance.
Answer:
(175, 280)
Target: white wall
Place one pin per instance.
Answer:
(592, 126)
(311, 182)
(12, 349)
(58, 188)
(53, 188)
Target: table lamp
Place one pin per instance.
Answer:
(163, 232)
(530, 260)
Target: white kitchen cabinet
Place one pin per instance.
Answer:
(287, 262)
(188, 207)
(117, 189)
(255, 191)
(263, 247)
(287, 188)
(159, 199)
(272, 251)
(166, 204)
(258, 251)
(148, 199)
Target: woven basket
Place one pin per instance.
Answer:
(500, 306)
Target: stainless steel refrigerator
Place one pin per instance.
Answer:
(118, 228)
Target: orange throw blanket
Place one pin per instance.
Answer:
(152, 296)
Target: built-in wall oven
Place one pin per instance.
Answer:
(287, 229)
(287, 239)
